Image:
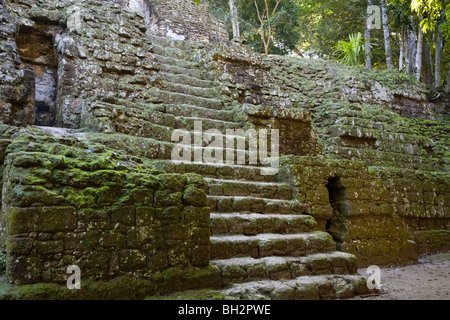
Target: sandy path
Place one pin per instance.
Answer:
(428, 280)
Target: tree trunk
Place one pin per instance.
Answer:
(427, 67)
(387, 37)
(266, 15)
(405, 49)
(438, 59)
(402, 48)
(367, 37)
(447, 87)
(412, 48)
(234, 20)
(419, 51)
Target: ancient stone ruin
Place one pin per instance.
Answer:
(91, 93)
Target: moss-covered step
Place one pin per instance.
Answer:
(269, 244)
(190, 90)
(320, 287)
(238, 270)
(255, 223)
(170, 97)
(272, 190)
(221, 171)
(186, 80)
(255, 204)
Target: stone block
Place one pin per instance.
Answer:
(132, 259)
(42, 219)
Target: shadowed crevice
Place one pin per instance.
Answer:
(337, 224)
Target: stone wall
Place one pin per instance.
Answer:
(104, 55)
(390, 215)
(373, 144)
(101, 60)
(307, 83)
(7, 132)
(95, 57)
(70, 201)
(16, 86)
(375, 123)
(184, 20)
(37, 53)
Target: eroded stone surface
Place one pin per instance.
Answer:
(99, 190)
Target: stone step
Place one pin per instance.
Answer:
(208, 152)
(153, 124)
(255, 223)
(207, 124)
(211, 154)
(228, 204)
(157, 142)
(245, 269)
(271, 244)
(131, 120)
(209, 136)
(134, 115)
(221, 187)
(236, 142)
(138, 118)
(187, 54)
(221, 171)
(156, 56)
(186, 80)
(321, 287)
(163, 135)
(190, 90)
(157, 149)
(236, 156)
(179, 44)
(200, 74)
(144, 129)
(168, 97)
(177, 116)
(195, 111)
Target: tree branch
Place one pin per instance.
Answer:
(257, 11)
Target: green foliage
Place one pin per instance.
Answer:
(312, 28)
(351, 52)
(285, 23)
(432, 10)
(325, 22)
(435, 13)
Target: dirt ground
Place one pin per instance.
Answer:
(428, 280)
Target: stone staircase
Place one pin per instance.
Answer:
(263, 241)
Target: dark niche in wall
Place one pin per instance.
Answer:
(37, 53)
(337, 224)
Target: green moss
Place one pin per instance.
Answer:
(438, 131)
(206, 277)
(172, 280)
(123, 287)
(80, 198)
(40, 291)
(144, 180)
